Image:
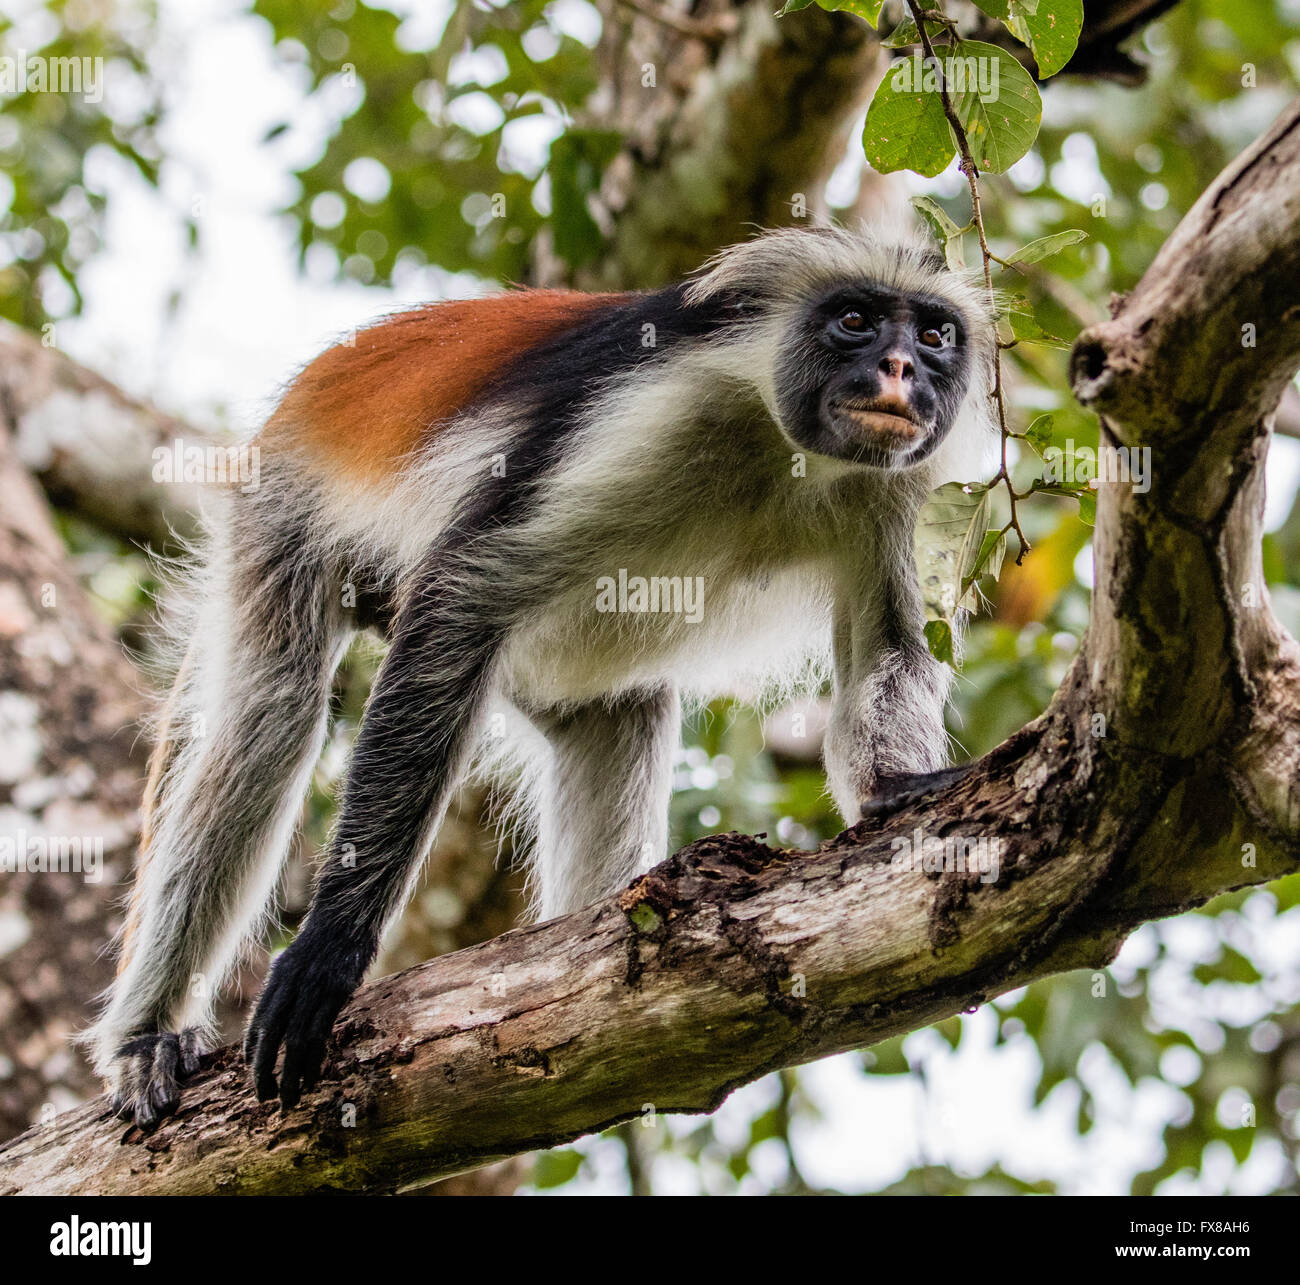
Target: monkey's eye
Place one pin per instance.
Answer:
(853, 322)
(931, 338)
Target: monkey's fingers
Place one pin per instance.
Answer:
(147, 1088)
(304, 1053)
(265, 1052)
(190, 1051)
(266, 1032)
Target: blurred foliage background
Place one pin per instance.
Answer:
(466, 147)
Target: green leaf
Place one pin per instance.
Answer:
(1066, 492)
(865, 9)
(992, 95)
(1050, 28)
(946, 232)
(950, 1030)
(1025, 326)
(950, 534)
(906, 33)
(988, 562)
(939, 639)
(1047, 246)
(906, 128)
(1231, 966)
(770, 1124)
(1000, 9)
(1003, 128)
(555, 1168)
(1039, 433)
(1088, 507)
(1241, 1141)
(938, 219)
(887, 1058)
(869, 10)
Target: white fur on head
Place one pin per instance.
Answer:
(795, 263)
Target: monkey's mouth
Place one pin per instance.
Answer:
(885, 420)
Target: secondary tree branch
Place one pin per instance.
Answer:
(731, 960)
(719, 138)
(91, 445)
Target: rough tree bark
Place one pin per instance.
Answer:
(1165, 772)
(735, 132)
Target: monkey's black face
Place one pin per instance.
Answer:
(873, 375)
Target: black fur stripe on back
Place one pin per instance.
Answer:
(557, 379)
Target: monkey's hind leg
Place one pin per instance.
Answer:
(604, 796)
(244, 726)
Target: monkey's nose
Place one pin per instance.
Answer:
(897, 373)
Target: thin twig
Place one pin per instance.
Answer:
(971, 170)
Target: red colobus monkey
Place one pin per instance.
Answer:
(465, 478)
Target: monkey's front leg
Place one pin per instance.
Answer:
(424, 708)
(886, 737)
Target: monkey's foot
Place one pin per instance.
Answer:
(896, 790)
(148, 1072)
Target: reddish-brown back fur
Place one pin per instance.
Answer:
(359, 410)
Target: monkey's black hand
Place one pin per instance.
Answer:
(148, 1072)
(308, 986)
(895, 790)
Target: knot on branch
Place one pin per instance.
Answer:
(647, 904)
(1107, 361)
(721, 867)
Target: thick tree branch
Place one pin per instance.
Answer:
(1184, 653)
(1107, 24)
(721, 135)
(91, 445)
(731, 959)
